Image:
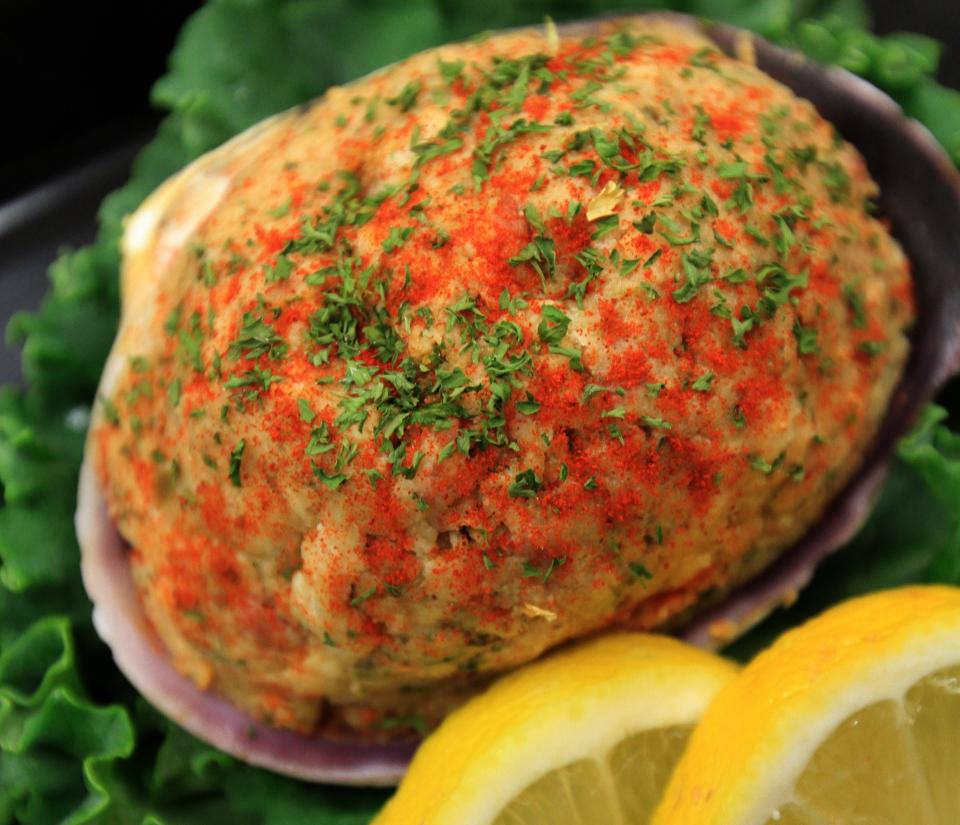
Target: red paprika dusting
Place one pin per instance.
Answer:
(272, 240)
(730, 120)
(672, 54)
(537, 106)
(722, 188)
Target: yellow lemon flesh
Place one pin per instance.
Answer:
(851, 719)
(588, 735)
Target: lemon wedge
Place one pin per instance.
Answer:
(852, 718)
(587, 735)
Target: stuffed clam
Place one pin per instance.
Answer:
(514, 342)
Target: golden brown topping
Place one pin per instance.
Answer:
(507, 343)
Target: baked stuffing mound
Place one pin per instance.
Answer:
(514, 341)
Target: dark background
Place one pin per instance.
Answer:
(75, 80)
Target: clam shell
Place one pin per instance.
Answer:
(921, 197)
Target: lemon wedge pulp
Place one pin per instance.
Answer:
(588, 735)
(851, 719)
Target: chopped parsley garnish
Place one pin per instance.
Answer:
(806, 338)
(236, 458)
(330, 480)
(525, 485)
(856, 305)
(257, 338)
(604, 226)
(360, 598)
(704, 383)
(407, 97)
(540, 254)
(174, 392)
(766, 467)
(553, 325)
(701, 122)
(280, 271)
(451, 71)
(696, 267)
(306, 413)
(640, 571)
(529, 406)
(396, 238)
(872, 348)
(109, 411)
